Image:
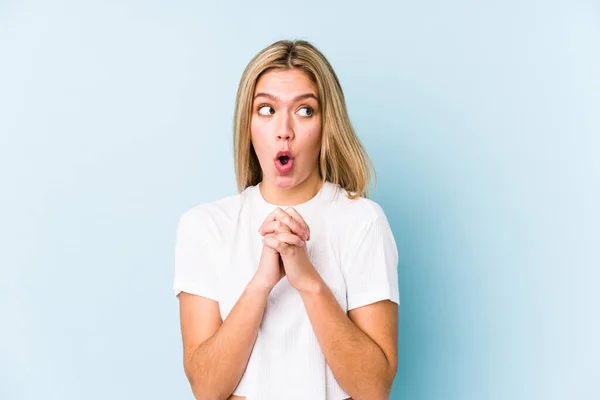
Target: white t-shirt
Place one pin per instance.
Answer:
(218, 249)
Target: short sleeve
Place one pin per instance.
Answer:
(370, 265)
(195, 271)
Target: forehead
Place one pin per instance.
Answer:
(285, 83)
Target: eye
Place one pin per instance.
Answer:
(265, 109)
(308, 111)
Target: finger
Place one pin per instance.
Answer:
(273, 227)
(269, 239)
(298, 218)
(270, 218)
(272, 242)
(296, 226)
(290, 239)
(268, 235)
(279, 215)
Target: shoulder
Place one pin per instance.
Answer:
(356, 212)
(211, 219)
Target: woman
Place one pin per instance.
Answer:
(289, 290)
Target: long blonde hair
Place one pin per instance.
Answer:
(343, 159)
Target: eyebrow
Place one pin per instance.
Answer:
(297, 98)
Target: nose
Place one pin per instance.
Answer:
(285, 130)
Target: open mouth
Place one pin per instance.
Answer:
(284, 162)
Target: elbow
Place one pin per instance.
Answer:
(381, 391)
(205, 393)
(387, 383)
(203, 387)
(386, 392)
(383, 388)
(205, 396)
(380, 387)
(202, 391)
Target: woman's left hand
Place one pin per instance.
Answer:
(286, 232)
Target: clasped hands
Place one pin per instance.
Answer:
(284, 237)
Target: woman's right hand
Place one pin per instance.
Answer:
(270, 269)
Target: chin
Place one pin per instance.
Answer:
(284, 182)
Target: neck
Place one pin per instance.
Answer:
(298, 194)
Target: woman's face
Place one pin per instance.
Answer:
(286, 127)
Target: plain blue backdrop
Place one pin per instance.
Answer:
(483, 122)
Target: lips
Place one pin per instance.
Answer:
(284, 161)
(283, 154)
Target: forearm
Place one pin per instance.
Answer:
(218, 364)
(357, 362)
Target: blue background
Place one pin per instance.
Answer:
(483, 121)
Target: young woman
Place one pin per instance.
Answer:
(289, 289)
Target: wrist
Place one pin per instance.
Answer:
(258, 287)
(313, 285)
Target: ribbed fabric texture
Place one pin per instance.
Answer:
(352, 248)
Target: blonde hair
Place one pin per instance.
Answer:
(343, 159)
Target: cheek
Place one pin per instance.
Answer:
(257, 138)
(314, 137)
